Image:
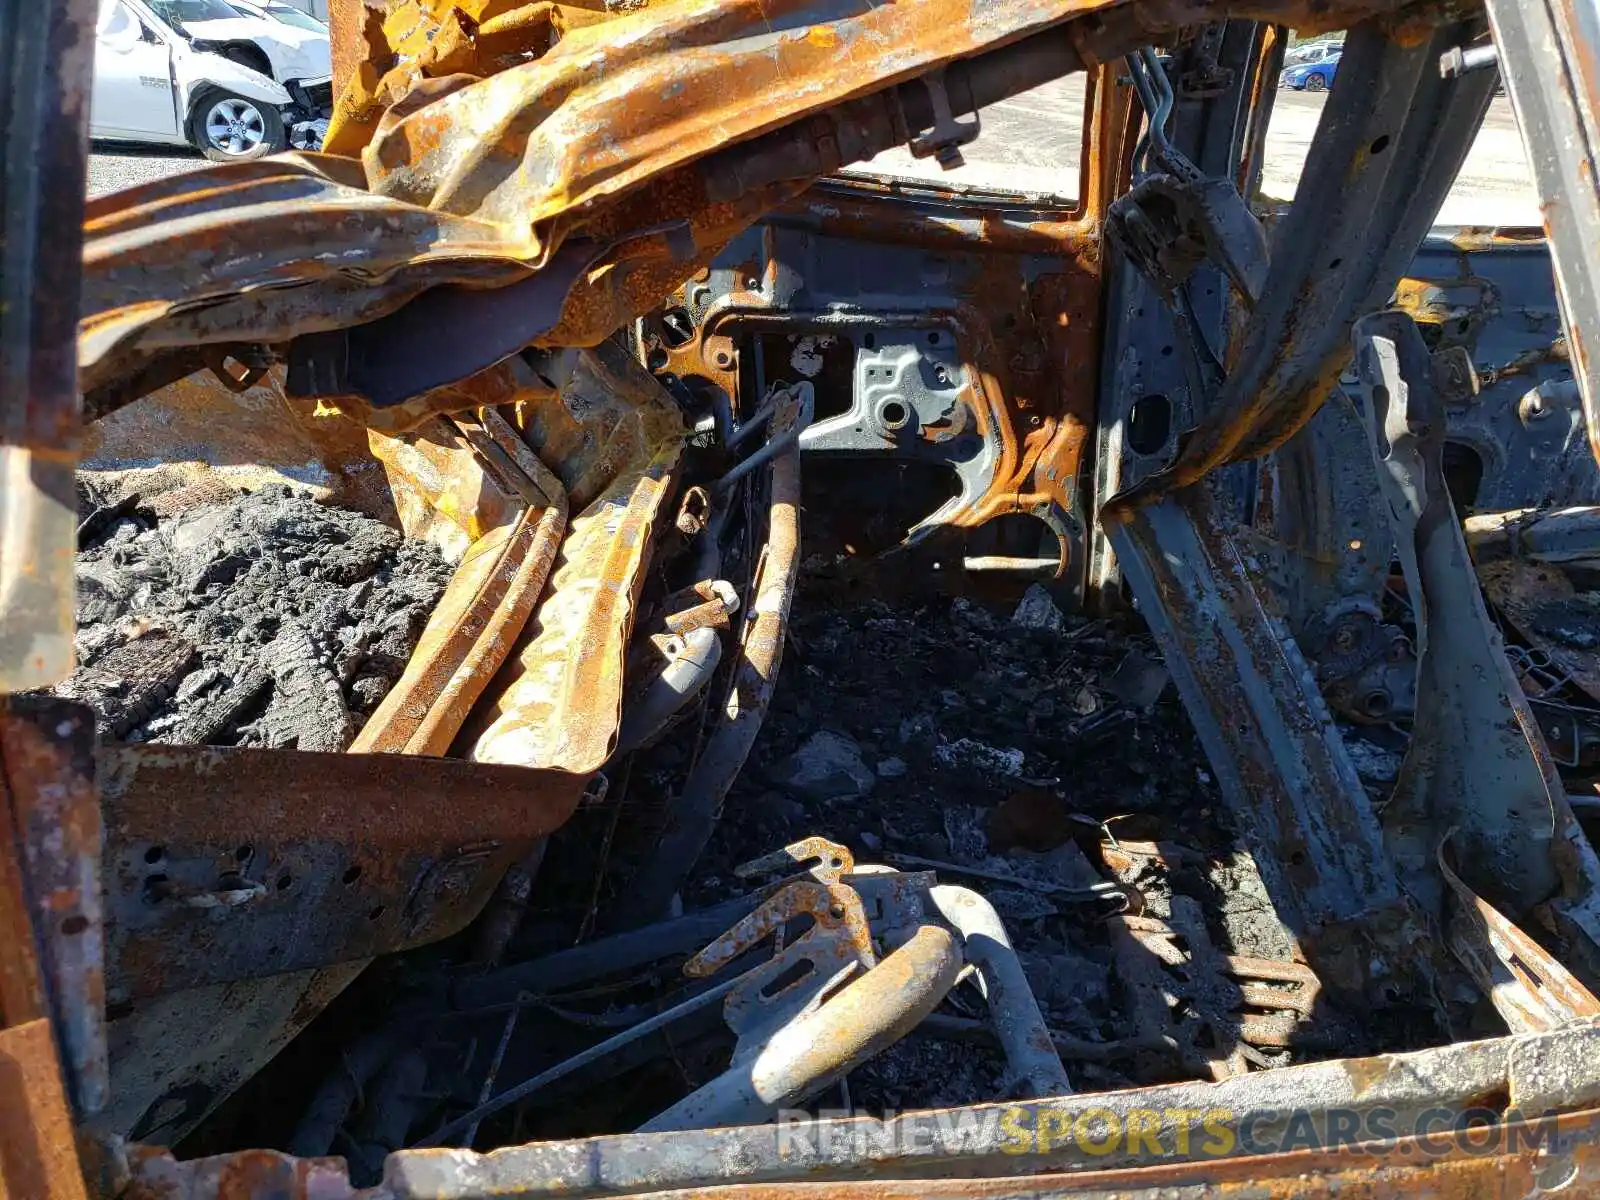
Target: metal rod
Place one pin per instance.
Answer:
(593, 1054)
(494, 1070)
(1018, 1023)
(1105, 890)
(822, 1045)
(607, 956)
(694, 814)
(776, 445)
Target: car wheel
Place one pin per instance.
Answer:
(1316, 83)
(229, 128)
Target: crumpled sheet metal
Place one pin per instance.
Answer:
(558, 703)
(1530, 988)
(293, 245)
(968, 1153)
(546, 694)
(434, 39)
(480, 181)
(197, 427)
(442, 492)
(563, 709)
(679, 77)
(605, 412)
(259, 252)
(489, 598)
(616, 104)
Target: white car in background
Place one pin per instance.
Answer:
(281, 10)
(236, 85)
(283, 51)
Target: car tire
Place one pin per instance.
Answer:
(230, 128)
(1316, 83)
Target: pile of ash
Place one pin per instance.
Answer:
(1030, 755)
(1003, 747)
(257, 619)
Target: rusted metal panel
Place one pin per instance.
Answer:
(599, 414)
(666, 86)
(443, 491)
(1519, 440)
(1528, 986)
(970, 1151)
(1476, 763)
(251, 437)
(395, 45)
(488, 601)
(176, 1057)
(37, 1156)
(251, 1175)
(1492, 294)
(1147, 363)
(604, 174)
(45, 82)
(1518, 1160)
(46, 754)
(1390, 163)
(226, 864)
(197, 1006)
(22, 980)
(462, 185)
(1009, 285)
(561, 708)
(346, 22)
(1548, 56)
(1268, 733)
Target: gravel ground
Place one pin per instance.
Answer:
(114, 166)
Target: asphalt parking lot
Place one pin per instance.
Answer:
(1034, 143)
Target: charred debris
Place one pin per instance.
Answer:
(570, 678)
(260, 619)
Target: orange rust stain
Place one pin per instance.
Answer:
(38, 1158)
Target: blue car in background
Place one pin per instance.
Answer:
(1311, 77)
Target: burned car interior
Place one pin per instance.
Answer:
(593, 638)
